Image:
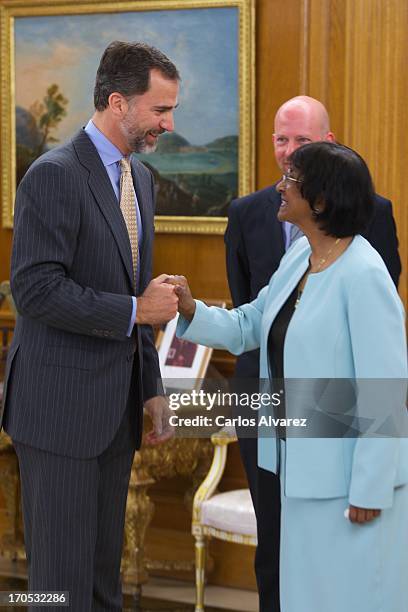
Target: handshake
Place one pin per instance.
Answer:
(162, 298)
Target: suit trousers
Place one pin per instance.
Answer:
(265, 493)
(74, 514)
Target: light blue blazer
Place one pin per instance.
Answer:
(349, 324)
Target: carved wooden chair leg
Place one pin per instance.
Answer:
(200, 558)
(238, 523)
(12, 541)
(139, 512)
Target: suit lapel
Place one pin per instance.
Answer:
(142, 199)
(101, 187)
(142, 184)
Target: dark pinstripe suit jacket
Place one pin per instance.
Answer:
(70, 364)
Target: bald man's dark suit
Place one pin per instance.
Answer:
(255, 244)
(75, 382)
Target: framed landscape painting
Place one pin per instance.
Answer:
(49, 57)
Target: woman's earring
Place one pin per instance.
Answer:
(316, 211)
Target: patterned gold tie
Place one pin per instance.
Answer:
(128, 208)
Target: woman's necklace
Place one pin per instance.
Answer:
(319, 266)
(323, 260)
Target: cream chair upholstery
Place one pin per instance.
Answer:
(228, 516)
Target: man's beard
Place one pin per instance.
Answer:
(137, 143)
(136, 138)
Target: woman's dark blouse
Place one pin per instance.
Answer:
(276, 341)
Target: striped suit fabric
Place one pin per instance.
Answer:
(71, 370)
(80, 539)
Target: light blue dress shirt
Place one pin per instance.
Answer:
(292, 233)
(111, 156)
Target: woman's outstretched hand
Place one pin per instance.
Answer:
(186, 304)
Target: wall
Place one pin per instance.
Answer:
(355, 60)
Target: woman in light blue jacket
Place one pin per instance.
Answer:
(330, 311)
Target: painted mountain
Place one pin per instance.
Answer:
(194, 180)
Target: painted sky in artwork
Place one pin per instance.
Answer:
(203, 43)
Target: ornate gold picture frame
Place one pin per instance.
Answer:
(49, 56)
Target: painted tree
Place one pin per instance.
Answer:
(48, 114)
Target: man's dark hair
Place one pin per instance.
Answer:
(336, 180)
(125, 68)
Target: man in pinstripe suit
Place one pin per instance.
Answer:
(82, 362)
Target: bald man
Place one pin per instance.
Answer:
(255, 243)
